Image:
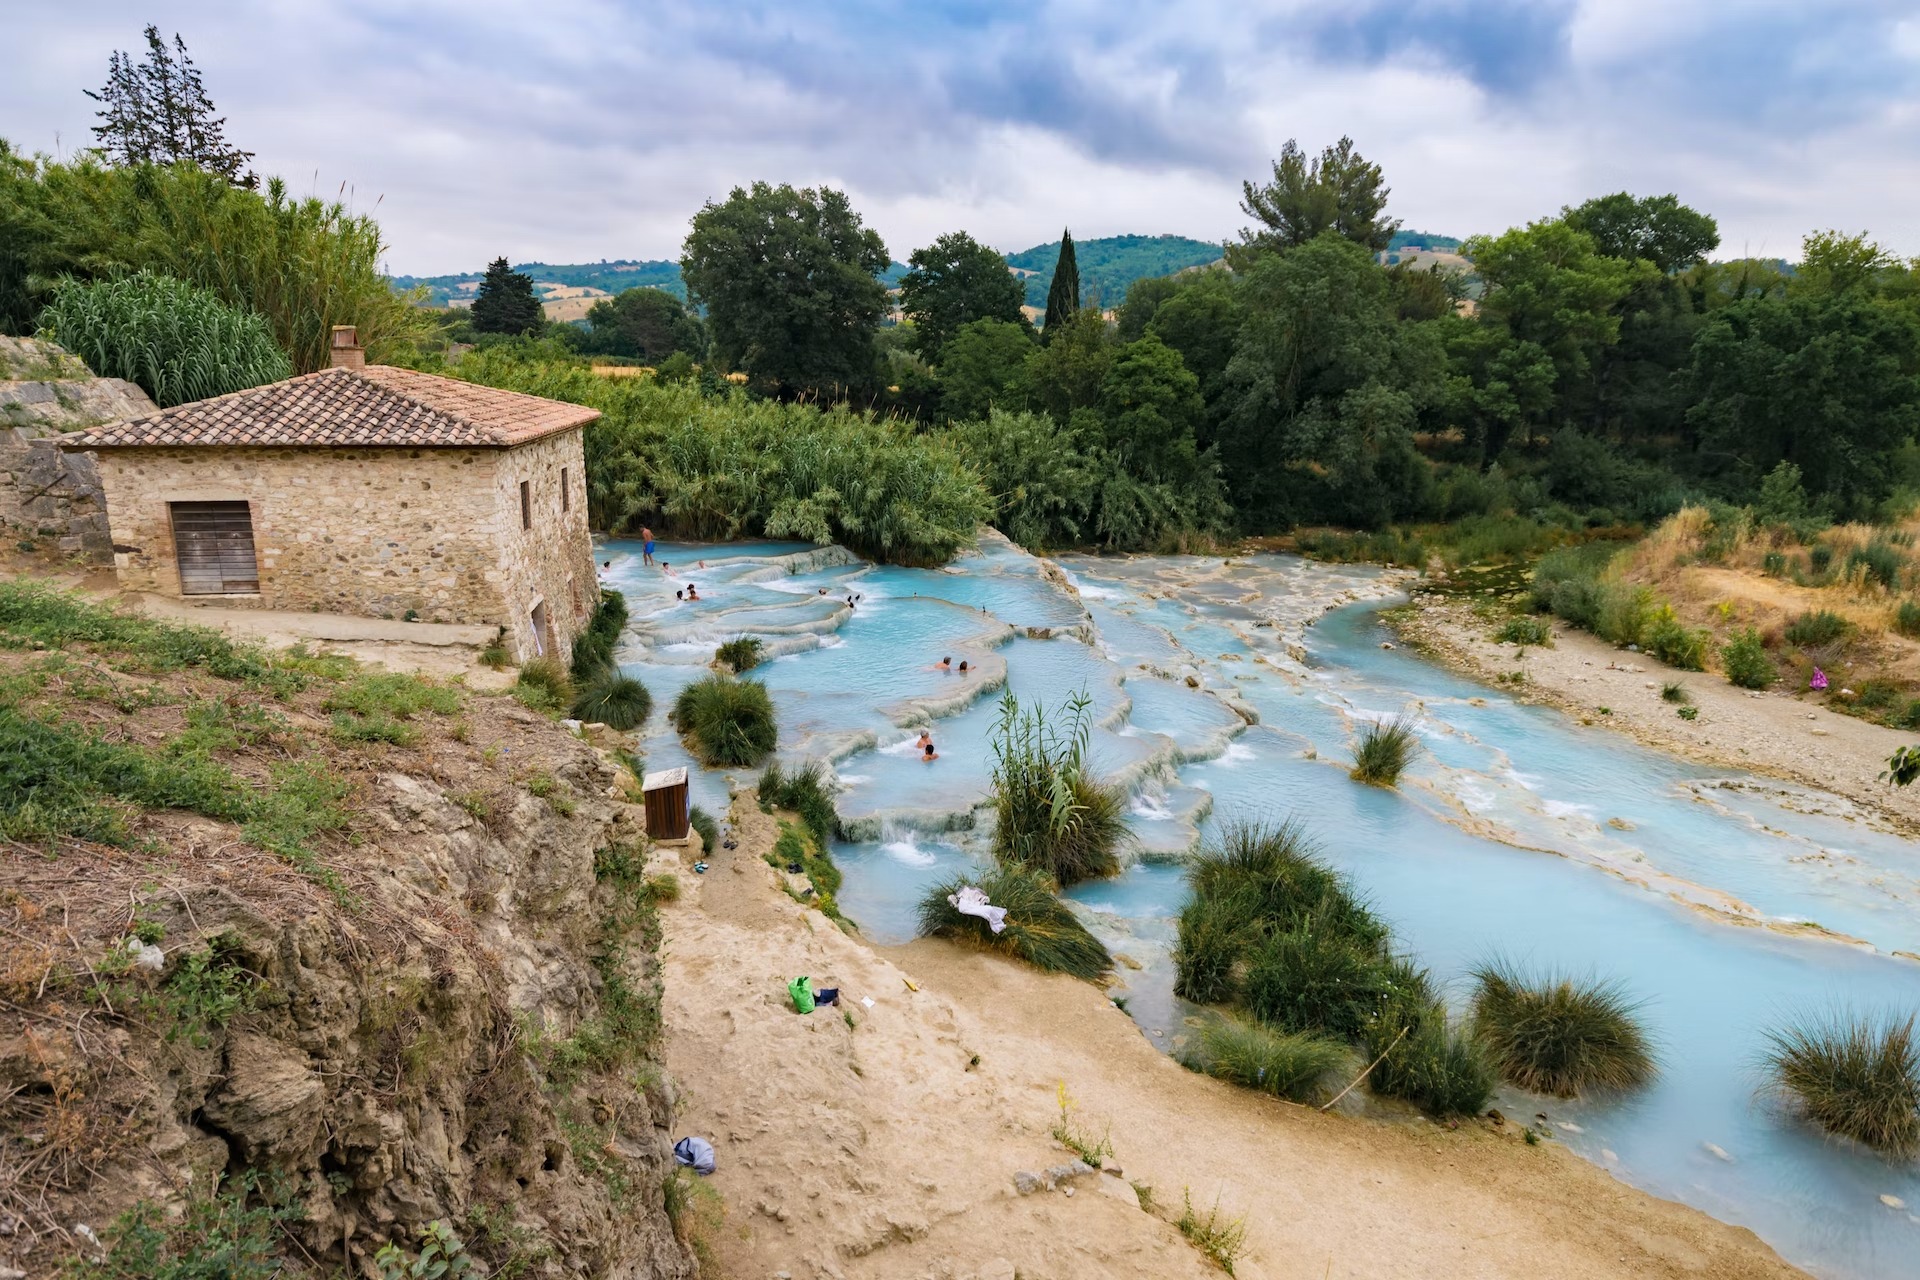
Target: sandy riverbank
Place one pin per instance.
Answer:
(888, 1147)
(1773, 733)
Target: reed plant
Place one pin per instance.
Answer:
(544, 685)
(740, 655)
(1550, 1034)
(1853, 1075)
(1296, 1065)
(618, 701)
(725, 721)
(1050, 813)
(593, 647)
(1039, 928)
(1816, 628)
(1384, 751)
(804, 791)
(176, 342)
(1427, 1060)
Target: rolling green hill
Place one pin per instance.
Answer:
(1108, 266)
(610, 276)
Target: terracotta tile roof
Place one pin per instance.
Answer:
(347, 408)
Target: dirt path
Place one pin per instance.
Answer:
(888, 1147)
(1774, 733)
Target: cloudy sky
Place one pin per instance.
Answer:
(575, 130)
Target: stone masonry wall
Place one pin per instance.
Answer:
(372, 532)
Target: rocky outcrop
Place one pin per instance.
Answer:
(44, 393)
(410, 1047)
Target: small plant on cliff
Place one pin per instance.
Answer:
(1552, 1035)
(1384, 750)
(1854, 1076)
(544, 685)
(495, 655)
(1744, 659)
(702, 821)
(618, 701)
(726, 721)
(1050, 812)
(235, 1232)
(1039, 928)
(442, 1256)
(1219, 1238)
(1076, 1137)
(740, 655)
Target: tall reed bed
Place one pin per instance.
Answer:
(725, 467)
(804, 791)
(1051, 813)
(725, 721)
(1553, 1035)
(602, 694)
(176, 342)
(1280, 937)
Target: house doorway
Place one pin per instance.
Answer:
(542, 636)
(213, 545)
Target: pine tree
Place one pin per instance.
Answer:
(159, 112)
(1063, 298)
(505, 303)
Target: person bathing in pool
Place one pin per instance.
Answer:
(646, 552)
(930, 755)
(925, 742)
(945, 664)
(693, 592)
(963, 668)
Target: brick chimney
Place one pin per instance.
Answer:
(346, 348)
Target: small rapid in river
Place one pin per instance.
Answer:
(1232, 690)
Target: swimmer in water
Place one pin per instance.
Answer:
(646, 550)
(679, 595)
(963, 668)
(945, 664)
(693, 593)
(926, 740)
(930, 755)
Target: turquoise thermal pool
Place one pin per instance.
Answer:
(1231, 690)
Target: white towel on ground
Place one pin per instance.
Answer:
(972, 901)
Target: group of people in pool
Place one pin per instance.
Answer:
(689, 593)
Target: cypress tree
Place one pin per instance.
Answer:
(505, 303)
(1063, 298)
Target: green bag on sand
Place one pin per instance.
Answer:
(800, 991)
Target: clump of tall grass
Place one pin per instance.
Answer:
(1050, 812)
(618, 701)
(1383, 752)
(1674, 691)
(1673, 642)
(1299, 1066)
(803, 791)
(1877, 562)
(1555, 1036)
(702, 821)
(1817, 627)
(176, 342)
(1220, 1238)
(1525, 630)
(1906, 619)
(1855, 1076)
(1422, 1057)
(1745, 660)
(593, 647)
(740, 655)
(1039, 928)
(544, 685)
(726, 721)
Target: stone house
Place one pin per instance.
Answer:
(360, 489)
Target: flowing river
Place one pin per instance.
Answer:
(1231, 690)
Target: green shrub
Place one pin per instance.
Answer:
(1525, 630)
(1309, 979)
(1440, 1068)
(1675, 644)
(544, 685)
(796, 847)
(702, 821)
(1214, 935)
(1292, 1065)
(235, 1232)
(1820, 559)
(1744, 658)
(176, 342)
(1773, 564)
(1854, 1076)
(618, 701)
(726, 721)
(1050, 812)
(375, 707)
(1384, 750)
(740, 655)
(1906, 619)
(593, 648)
(1817, 627)
(1877, 562)
(1040, 929)
(1551, 1035)
(804, 791)
(1688, 713)
(1674, 691)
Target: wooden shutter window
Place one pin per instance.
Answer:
(526, 504)
(213, 542)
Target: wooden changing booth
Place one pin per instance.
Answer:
(666, 798)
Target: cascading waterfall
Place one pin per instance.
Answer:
(1230, 689)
